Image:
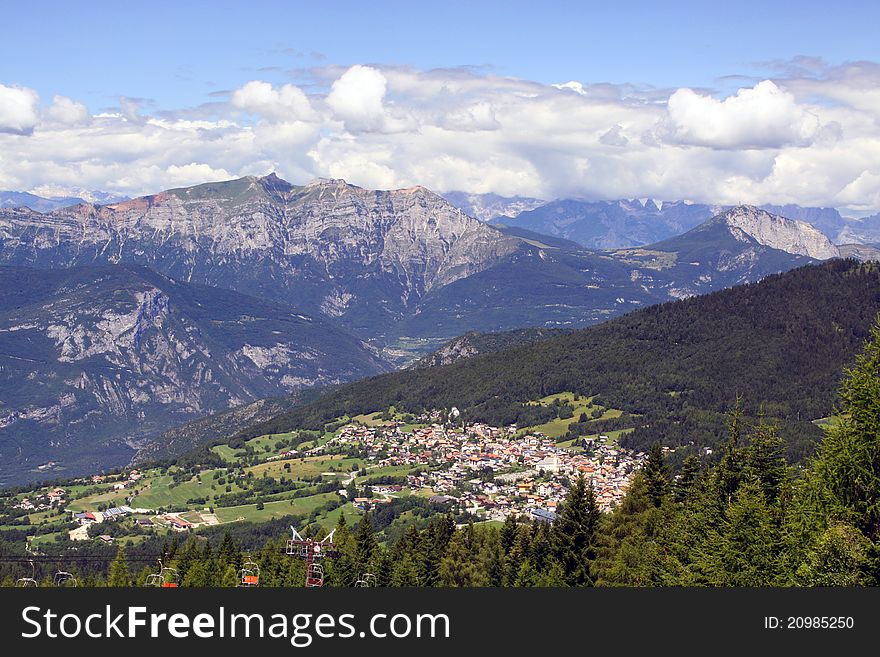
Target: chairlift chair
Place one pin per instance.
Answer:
(64, 578)
(249, 575)
(28, 582)
(367, 580)
(315, 576)
(166, 578)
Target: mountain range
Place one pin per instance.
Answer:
(130, 318)
(630, 223)
(675, 369)
(96, 361)
(10, 199)
(402, 269)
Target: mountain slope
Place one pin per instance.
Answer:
(359, 255)
(739, 245)
(402, 269)
(96, 360)
(491, 206)
(612, 224)
(472, 344)
(781, 343)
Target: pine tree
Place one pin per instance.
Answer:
(744, 549)
(119, 574)
(553, 575)
(230, 577)
(687, 478)
(839, 557)
(574, 533)
(508, 533)
(526, 576)
(765, 457)
(457, 568)
(846, 470)
(366, 546)
(344, 569)
(493, 559)
(657, 474)
(727, 472)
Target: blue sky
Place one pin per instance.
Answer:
(762, 102)
(177, 53)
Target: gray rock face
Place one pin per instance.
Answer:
(795, 237)
(492, 206)
(96, 361)
(363, 256)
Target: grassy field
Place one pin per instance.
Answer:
(374, 420)
(307, 467)
(329, 520)
(388, 471)
(91, 502)
(227, 453)
(249, 512)
(159, 493)
(309, 444)
(558, 427)
(613, 438)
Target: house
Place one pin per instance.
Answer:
(178, 524)
(542, 515)
(89, 518)
(56, 495)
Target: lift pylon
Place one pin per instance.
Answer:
(312, 551)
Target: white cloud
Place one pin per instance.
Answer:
(356, 98)
(287, 103)
(813, 141)
(18, 110)
(764, 116)
(67, 111)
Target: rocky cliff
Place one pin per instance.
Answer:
(363, 256)
(95, 361)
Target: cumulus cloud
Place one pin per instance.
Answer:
(811, 138)
(763, 116)
(69, 112)
(18, 110)
(287, 103)
(357, 98)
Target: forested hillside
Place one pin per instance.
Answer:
(677, 367)
(749, 520)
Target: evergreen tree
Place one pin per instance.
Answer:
(508, 533)
(744, 549)
(839, 557)
(526, 576)
(119, 574)
(657, 474)
(687, 478)
(366, 546)
(230, 577)
(574, 533)
(344, 569)
(846, 470)
(493, 559)
(553, 575)
(457, 567)
(765, 457)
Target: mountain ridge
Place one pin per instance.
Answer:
(98, 360)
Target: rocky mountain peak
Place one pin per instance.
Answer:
(796, 237)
